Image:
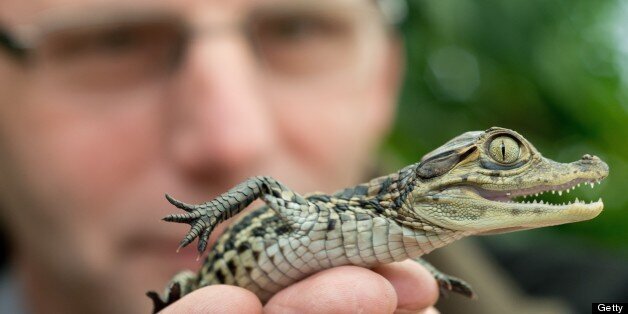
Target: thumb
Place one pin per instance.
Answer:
(217, 299)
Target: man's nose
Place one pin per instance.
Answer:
(219, 119)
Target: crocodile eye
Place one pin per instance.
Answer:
(504, 149)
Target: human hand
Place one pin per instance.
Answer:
(401, 287)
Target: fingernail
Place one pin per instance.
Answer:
(429, 310)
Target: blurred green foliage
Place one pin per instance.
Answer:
(555, 71)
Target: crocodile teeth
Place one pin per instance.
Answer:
(560, 193)
(592, 185)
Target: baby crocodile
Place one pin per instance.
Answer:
(463, 188)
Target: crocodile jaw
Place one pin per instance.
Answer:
(475, 209)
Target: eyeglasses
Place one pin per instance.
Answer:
(113, 51)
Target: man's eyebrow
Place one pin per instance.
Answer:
(103, 15)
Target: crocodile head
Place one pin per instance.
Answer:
(469, 184)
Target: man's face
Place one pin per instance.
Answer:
(89, 149)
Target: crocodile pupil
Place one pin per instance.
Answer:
(504, 149)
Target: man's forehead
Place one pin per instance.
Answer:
(17, 12)
(26, 12)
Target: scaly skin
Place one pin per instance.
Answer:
(463, 188)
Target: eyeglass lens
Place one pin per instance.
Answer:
(294, 41)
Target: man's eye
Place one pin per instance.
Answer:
(298, 28)
(110, 41)
(295, 29)
(304, 42)
(115, 41)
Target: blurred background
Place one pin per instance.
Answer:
(555, 71)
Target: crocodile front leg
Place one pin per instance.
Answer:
(203, 218)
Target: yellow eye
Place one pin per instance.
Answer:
(504, 149)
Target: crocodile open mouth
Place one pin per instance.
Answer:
(528, 195)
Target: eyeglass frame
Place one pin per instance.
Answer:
(393, 11)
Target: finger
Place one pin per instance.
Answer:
(416, 288)
(344, 289)
(217, 299)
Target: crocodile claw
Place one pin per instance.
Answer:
(174, 294)
(448, 283)
(202, 218)
(187, 207)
